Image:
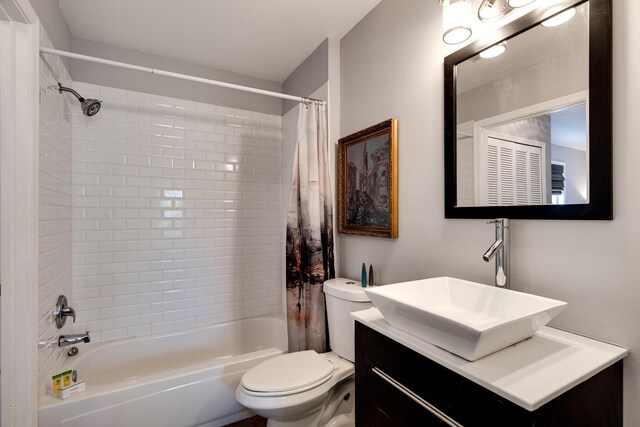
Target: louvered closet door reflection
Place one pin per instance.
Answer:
(514, 173)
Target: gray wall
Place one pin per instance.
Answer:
(537, 128)
(524, 88)
(52, 20)
(308, 76)
(104, 75)
(54, 24)
(405, 82)
(575, 172)
(558, 259)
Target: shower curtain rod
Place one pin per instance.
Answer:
(178, 75)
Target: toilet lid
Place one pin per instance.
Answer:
(287, 373)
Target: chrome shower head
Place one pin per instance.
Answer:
(90, 107)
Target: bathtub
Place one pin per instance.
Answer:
(169, 380)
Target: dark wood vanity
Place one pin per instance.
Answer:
(397, 386)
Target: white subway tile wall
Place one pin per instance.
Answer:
(177, 214)
(54, 260)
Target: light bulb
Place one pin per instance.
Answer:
(456, 21)
(493, 51)
(560, 18)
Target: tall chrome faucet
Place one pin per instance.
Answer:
(500, 250)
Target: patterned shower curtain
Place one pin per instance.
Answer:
(309, 232)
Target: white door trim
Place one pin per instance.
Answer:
(19, 85)
(536, 109)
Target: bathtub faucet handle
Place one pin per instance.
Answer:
(62, 311)
(68, 311)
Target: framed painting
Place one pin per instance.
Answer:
(368, 180)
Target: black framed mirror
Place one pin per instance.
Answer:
(528, 133)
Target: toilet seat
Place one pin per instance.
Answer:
(287, 374)
(296, 407)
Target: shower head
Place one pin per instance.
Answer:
(90, 107)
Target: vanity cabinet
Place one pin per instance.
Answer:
(397, 386)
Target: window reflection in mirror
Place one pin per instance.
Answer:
(522, 119)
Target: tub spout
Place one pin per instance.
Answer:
(73, 339)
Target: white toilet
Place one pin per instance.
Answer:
(305, 389)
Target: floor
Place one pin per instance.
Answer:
(250, 422)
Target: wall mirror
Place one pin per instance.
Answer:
(528, 118)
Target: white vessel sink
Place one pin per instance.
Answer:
(466, 318)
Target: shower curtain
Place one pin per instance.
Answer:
(309, 247)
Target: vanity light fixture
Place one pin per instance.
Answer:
(560, 18)
(493, 51)
(457, 16)
(492, 10)
(520, 3)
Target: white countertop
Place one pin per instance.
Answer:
(529, 373)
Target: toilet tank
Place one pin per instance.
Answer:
(343, 296)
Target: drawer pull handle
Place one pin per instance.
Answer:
(420, 401)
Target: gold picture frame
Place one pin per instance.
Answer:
(368, 181)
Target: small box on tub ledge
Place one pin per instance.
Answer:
(72, 390)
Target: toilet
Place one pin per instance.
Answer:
(305, 389)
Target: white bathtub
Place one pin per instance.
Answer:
(170, 380)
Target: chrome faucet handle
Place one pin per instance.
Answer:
(68, 311)
(62, 311)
